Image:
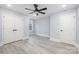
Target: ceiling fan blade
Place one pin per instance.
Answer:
(31, 12)
(29, 9)
(42, 12)
(43, 9)
(35, 6)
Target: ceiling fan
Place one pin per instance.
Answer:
(36, 10)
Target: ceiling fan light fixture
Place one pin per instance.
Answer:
(35, 15)
(9, 5)
(64, 5)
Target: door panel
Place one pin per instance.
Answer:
(19, 28)
(8, 26)
(12, 25)
(68, 27)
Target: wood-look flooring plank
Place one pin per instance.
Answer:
(37, 45)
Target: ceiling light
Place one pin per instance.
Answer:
(35, 15)
(9, 5)
(64, 5)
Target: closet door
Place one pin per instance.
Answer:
(18, 26)
(68, 27)
(12, 27)
(8, 28)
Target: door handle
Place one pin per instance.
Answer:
(14, 30)
(61, 30)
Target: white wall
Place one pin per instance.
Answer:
(42, 26)
(54, 26)
(26, 27)
(0, 26)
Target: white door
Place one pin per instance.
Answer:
(12, 28)
(18, 26)
(8, 26)
(68, 27)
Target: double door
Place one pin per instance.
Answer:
(12, 28)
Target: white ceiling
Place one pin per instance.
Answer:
(51, 8)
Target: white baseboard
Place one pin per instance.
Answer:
(24, 38)
(43, 35)
(32, 33)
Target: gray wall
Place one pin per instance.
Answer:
(33, 26)
(77, 25)
(42, 26)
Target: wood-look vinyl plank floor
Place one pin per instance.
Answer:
(37, 45)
